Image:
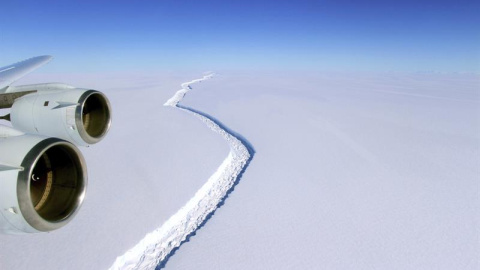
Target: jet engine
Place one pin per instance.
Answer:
(43, 185)
(43, 175)
(81, 116)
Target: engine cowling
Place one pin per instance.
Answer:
(45, 185)
(78, 115)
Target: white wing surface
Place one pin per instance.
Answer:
(13, 72)
(4, 167)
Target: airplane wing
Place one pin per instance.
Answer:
(4, 167)
(13, 72)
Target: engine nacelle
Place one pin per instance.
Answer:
(77, 115)
(44, 187)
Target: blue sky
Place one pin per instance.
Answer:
(215, 35)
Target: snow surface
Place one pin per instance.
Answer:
(351, 171)
(158, 245)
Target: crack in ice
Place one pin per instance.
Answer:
(159, 245)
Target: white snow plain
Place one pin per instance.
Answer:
(351, 171)
(157, 246)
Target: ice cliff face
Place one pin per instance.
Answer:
(158, 245)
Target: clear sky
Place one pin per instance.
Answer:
(230, 34)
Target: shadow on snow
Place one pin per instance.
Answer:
(251, 151)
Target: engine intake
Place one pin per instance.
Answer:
(93, 116)
(49, 190)
(55, 180)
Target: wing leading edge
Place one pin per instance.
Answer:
(13, 72)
